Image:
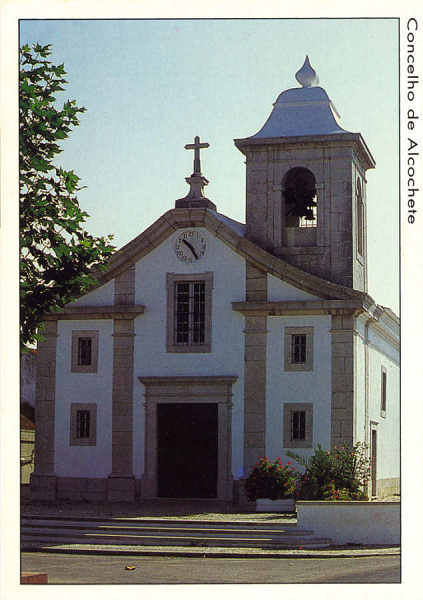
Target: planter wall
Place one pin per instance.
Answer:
(352, 522)
(267, 505)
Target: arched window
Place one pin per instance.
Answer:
(300, 195)
(360, 218)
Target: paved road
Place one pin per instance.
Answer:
(64, 569)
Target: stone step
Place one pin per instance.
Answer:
(169, 523)
(125, 532)
(34, 540)
(165, 528)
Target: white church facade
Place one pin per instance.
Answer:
(209, 343)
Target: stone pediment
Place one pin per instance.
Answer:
(232, 234)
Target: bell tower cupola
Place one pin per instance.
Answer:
(306, 185)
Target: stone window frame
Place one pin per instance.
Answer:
(288, 410)
(383, 390)
(308, 364)
(92, 439)
(171, 279)
(81, 333)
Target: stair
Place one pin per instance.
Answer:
(38, 532)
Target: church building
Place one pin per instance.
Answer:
(209, 343)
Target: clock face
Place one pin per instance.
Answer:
(190, 246)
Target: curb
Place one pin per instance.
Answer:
(206, 553)
(161, 520)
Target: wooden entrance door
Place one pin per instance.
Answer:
(187, 450)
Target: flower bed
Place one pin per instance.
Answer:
(271, 480)
(337, 474)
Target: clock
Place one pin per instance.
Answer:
(190, 246)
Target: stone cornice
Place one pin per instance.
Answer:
(384, 323)
(199, 217)
(335, 140)
(189, 380)
(299, 307)
(389, 314)
(96, 312)
(386, 335)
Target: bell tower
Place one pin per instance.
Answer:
(306, 185)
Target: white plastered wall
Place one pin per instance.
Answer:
(84, 461)
(278, 290)
(101, 296)
(298, 386)
(380, 353)
(227, 354)
(388, 426)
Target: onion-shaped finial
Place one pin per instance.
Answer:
(307, 76)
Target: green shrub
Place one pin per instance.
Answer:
(271, 480)
(339, 474)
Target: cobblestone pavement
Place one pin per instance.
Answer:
(180, 511)
(166, 510)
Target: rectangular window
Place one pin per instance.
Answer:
(383, 392)
(84, 351)
(83, 424)
(189, 312)
(298, 425)
(298, 349)
(190, 319)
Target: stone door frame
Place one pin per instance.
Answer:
(183, 390)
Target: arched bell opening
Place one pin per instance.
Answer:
(299, 208)
(299, 196)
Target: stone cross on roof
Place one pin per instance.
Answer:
(195, 197)
(196, 147)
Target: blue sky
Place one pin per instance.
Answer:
(150, 86)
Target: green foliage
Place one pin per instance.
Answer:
(57, 256)
(339, 474)
(271, 480)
